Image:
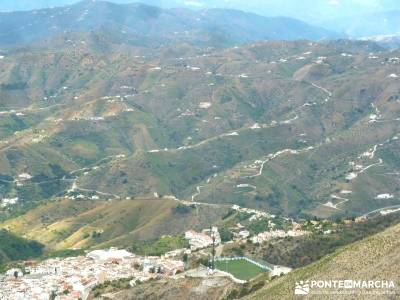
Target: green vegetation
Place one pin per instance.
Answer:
(159, 246)
(247, 288)
(111, 286)
(14, 248)
(261, 225)
(232, 217)
(65, 253)
(240, 269)
(183, 209)
(225, 234)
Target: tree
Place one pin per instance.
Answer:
(53, 295)
(225, 234)
(233, 294)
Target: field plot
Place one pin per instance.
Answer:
(241, 269)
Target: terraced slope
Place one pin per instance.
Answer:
(292, 127)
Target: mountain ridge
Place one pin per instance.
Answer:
(153, 23)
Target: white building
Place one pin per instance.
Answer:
(243, 234)
(13, 272)
(199, 240)
(268, 235)
(280, 270)
(109, 254)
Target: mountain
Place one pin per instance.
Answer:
(307, 10)
(152, 26)
(374, 258)
(8, 5)
(353, 17)
(368, 25)
(295, 128)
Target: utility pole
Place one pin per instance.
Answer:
(213, 248)
(212, 232)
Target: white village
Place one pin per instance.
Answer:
(70, 278)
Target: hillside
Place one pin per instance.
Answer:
(145, 25)
(375, 258)
(13, 247)
(296, 252)
(183, 288)
(66, 224)
(213, 126)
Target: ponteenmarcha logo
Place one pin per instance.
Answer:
(302, 288)
(343, 286)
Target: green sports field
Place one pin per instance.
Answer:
(241, 269)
